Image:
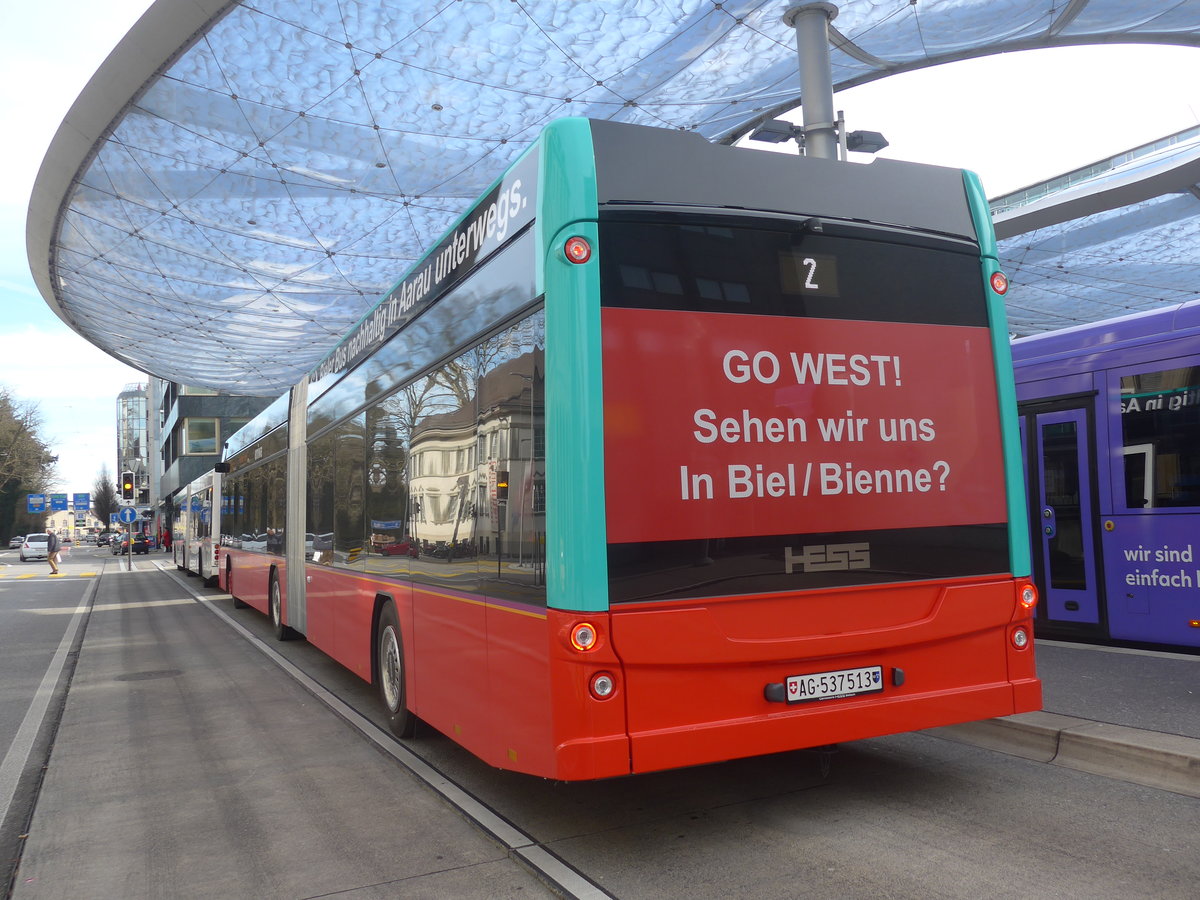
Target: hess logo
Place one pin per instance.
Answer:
(828, 558)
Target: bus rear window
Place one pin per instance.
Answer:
(840, 273)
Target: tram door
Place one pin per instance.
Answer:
(1063, 523)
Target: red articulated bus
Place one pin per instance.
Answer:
(667, 453)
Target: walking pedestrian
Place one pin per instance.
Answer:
(52, 551)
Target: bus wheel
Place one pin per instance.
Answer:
(237, 604)
(282, 632)
(391, 675)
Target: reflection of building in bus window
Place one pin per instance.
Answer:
(509, 490)
(320, 499)
(443, 459)
(349, 507)
(276, 500)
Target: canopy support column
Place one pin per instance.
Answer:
(811, 22)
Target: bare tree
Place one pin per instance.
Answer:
(104, 496)
(26, 465)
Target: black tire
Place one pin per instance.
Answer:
(237, 604)
(275, 601)
(390, 672)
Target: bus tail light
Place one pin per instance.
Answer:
(1020, 638)
(999, 282)
(577, 250)
(584, 636)
(1027, 596)
(602, 685)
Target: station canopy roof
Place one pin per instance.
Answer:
(241, 181)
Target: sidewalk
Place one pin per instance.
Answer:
(185, 766)
(1126, 714)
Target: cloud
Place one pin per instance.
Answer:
(56, 364)
(75, 386)
(64, 42)
(25, 288)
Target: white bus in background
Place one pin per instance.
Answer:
(196, 526)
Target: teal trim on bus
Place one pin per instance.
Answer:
(1020, 554)
(576, 532)
(981, 215)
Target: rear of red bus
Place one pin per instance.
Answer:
(809, 488)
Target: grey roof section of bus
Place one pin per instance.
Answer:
(637, 164)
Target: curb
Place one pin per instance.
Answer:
(1169, 762)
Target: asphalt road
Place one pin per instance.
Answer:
(40, 618)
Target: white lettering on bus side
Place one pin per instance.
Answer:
(749, 429)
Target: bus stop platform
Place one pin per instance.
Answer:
(1121, 713)
(185, 766)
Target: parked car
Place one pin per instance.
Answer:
(16, 542)
(102, 540)
(35, 546)
(407, 547)
(120, 544)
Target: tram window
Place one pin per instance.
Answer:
(1160, 426)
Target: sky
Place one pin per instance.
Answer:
(1016, 119)
(48, 51)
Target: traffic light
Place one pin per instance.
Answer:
(126, 485)
(502, 484)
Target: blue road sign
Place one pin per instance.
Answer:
(81, 501)
(35, 503)
(128, 515)
(112, 518)
(58, 502)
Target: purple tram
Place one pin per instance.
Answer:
(1110, 420)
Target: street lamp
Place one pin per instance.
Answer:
(778, 131)
(866, 141)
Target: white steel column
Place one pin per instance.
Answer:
(294, 523)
